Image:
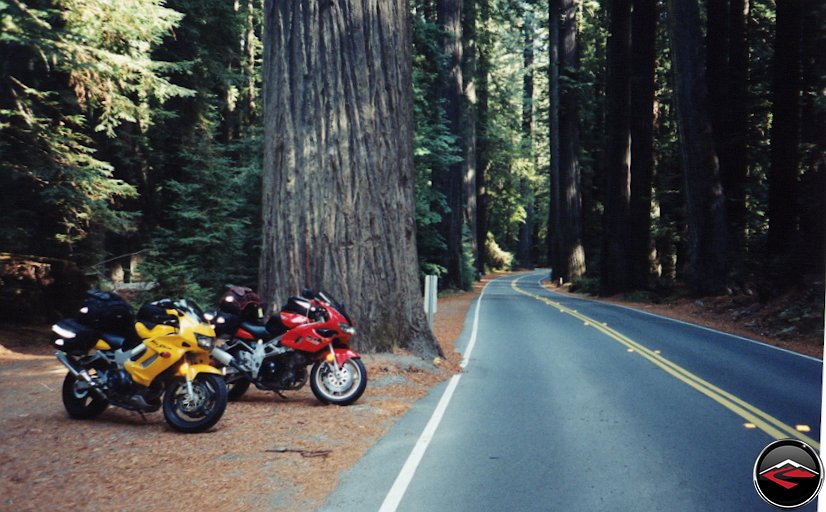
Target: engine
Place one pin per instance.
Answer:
(284, 371)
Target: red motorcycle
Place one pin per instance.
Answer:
(312, 329)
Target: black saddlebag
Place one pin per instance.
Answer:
(107, 312)
(154, 313)
(241, 301)
(81, 343)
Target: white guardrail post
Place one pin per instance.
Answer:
(431, 291)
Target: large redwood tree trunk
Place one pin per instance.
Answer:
(614, 276)
(338, 184)
(643, 39)
(572, 254)
(705, 210)
(450, 180)
(785, 132)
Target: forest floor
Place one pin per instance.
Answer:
(792, 319)
(266, 453)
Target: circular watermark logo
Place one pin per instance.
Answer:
(788, 474)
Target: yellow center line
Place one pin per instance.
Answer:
(765, 422)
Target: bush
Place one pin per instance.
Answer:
(468, 263)
(497, 259)
(586, 284)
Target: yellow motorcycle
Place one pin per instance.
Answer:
(161, 358)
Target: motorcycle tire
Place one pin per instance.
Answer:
(81, 404)
(237, 388)
(202, 411)
(342, 389)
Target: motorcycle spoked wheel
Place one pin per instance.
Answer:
(342, 387)
(200, 411)
(80, 401)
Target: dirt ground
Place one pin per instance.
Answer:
(265, 454)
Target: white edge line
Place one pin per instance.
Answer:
(396, 493)
(473, 331)
(703, 327)
(394, 497)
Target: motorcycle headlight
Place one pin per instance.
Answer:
(347, 329)
(205, 342)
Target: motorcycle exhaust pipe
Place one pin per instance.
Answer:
(226, 359)
(80, 374)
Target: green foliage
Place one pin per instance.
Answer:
(72, 69)
(586, 284)
(209, 232)
(498, 259)
(468, 262)
(434, 147)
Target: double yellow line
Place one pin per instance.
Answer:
(754, 416)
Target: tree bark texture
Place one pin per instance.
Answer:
(450, 180)
(338, 184)
(717, 74)
(482, 140)
(614, 275)
(554, 210)
(813, 138)
(735, 172)
(525, 242)
(704, 195)
(785, 130)
(643, 60)
(470, 47)
(572, 253)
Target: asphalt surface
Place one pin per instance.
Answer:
(568, 404)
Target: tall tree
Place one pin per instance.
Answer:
(704, 194)
(572, 254)
(483, 145)
(734, 172)
(813, 138)
(449, 180)
(785, 132)
(643, 117)
(554, 209)
(469, 114)
(526, 229)
(338, 185)
(614, 275)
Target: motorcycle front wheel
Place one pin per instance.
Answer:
(80, 401)
(198, 411)
(342, 387)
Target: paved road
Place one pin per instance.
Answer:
(567, 404)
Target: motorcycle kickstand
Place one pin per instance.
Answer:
(282, 395)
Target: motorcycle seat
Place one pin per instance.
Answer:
(114, 341)
(120, 342)
(258, 331)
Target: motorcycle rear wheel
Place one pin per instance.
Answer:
(200, 411)
(237, 388)
(339, 388)
(81, 402)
